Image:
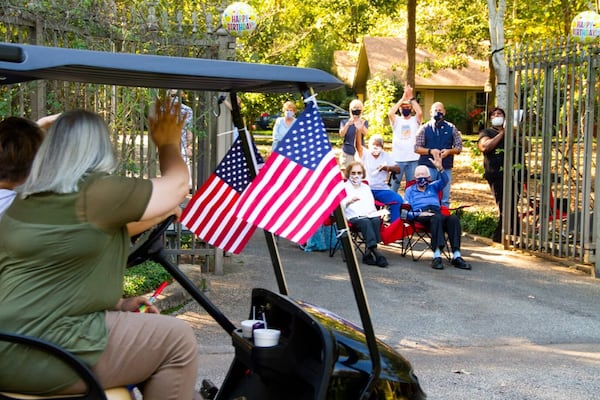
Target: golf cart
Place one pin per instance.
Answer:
(319, 355)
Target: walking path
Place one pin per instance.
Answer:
(515, 327)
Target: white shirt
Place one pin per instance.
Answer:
(280, 129)
(6, 198)
(403, 138)
(377, 178)
(362, 207)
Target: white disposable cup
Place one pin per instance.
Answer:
(266, 337)
(247, 326)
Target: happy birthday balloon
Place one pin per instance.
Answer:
(586, 26)
(239, 19)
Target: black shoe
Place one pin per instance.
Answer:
(458, 262)
(381, 261)
(436, 263)
(369, 259)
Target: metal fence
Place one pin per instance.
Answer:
(125, 109)
(554, 88)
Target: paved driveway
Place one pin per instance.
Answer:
(515, 327)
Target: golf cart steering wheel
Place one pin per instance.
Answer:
(148, 243)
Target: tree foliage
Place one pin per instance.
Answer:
(307, 33)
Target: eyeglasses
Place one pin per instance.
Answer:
(356, 173)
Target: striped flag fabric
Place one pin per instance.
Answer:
(210, 214)
(299, 185)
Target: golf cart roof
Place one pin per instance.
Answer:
(22, 63)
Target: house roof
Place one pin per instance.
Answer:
(387, 56)
(345, 65)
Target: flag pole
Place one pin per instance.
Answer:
(238, 122)
(357, 286)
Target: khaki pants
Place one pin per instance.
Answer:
(157, 352)
(346, 159)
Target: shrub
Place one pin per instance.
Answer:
(482, 223)
(144, 278)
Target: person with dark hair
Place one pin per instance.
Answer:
(404, 133)
(64, 243)
(491, 145)
(20, 139)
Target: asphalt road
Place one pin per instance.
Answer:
(514, 327)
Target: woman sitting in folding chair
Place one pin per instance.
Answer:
(359, 206)
(424, 200)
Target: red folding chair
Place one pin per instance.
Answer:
(417, 233)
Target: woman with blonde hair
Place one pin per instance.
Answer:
(353, 130)
(359, 206)
(283, 124)
(64, 243)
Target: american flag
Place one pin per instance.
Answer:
(210, 213)
(299, 185)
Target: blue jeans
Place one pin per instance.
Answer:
(435, 175)
(392, 199)
(407, 168)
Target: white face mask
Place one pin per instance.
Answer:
(355, 179)
(497, 121)
(375, 150)
(289, 114)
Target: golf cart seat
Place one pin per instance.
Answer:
(111, 394)
(95, 391)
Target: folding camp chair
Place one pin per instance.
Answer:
(355, 234)
(418, 236)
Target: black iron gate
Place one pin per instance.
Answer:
(554, 90)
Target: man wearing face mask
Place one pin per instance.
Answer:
(425, 208)
(439, 137)
(491, 145)
(378, 164)
(404, 133)
(353, 130)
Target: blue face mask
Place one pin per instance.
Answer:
(406, 112)
(438, 116)
(422, 182)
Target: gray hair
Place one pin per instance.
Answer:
(376, 139)
(77, 144)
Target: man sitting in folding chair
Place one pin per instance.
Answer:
(424, 200)
(359, 206)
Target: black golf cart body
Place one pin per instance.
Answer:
(320, 356)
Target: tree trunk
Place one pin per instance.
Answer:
(411, 42)
(496, 13)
